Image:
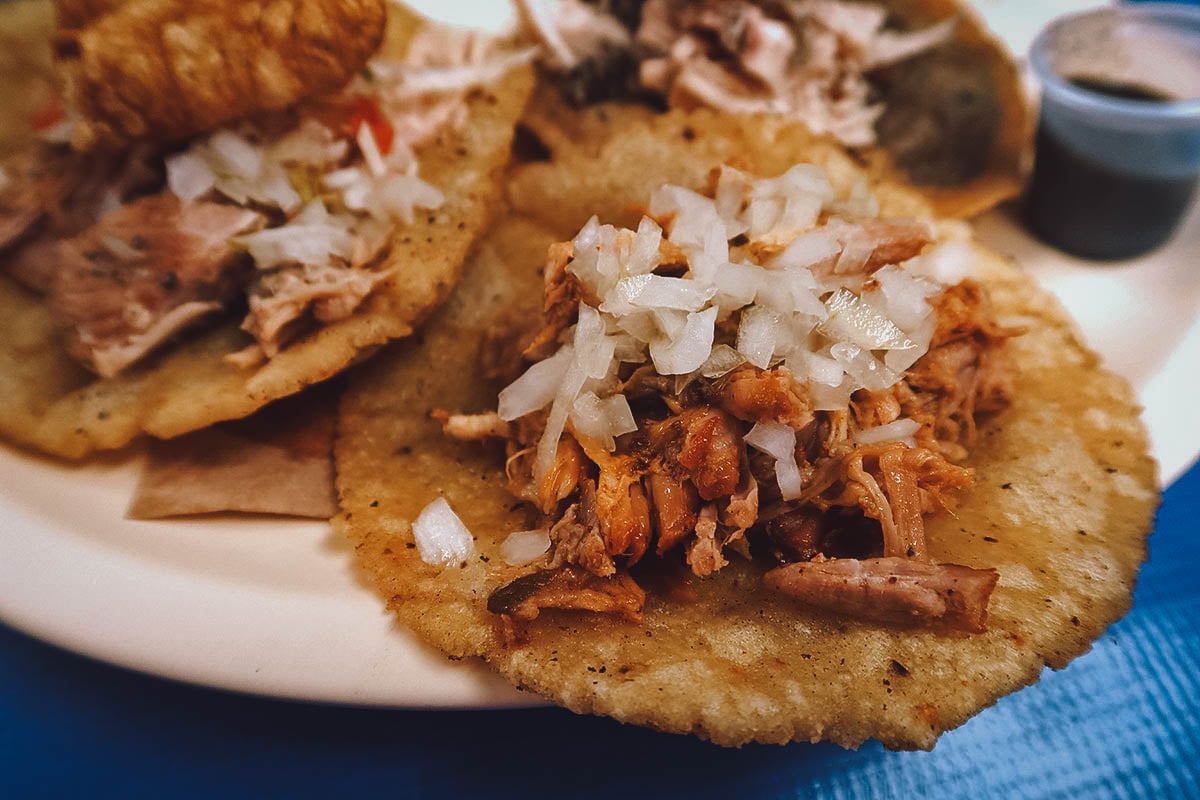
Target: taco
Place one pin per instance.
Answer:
(785, 467)
(917, 90)
(239, 229)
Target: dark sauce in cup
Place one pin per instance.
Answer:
(1097, 211)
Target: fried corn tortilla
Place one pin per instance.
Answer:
(956, 122)
(607, 161)
(54, 405)
(1063, 499)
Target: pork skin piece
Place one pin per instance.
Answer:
(166, 70)
(892, 590)
(145, 272)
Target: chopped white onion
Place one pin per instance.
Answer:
(524, 547)
(589, 352)
(722, 360)
(644, 255)
(235, 156)
(602, 419)
(835, 397)
(947, 263)
(312, 238)
(442, 538)
(275, 188)
(921, 336)
(900, 430)
(863, 367)
(901, 297)
(863, 335)
(594, 351)
(595, 262)
(819, 369)
(737, 285)
(733, 189)
(365, 138)
(535, 389)
(687, 351)
(398, 195)
(808, 249)
(758, 334)
(656, 291)
(852, 320)
(312, 143)
(779, 441)
(695, 224)
(188, 176)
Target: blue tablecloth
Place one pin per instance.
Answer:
(1121, 721)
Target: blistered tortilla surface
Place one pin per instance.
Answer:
(1064, 498)
(51, 404)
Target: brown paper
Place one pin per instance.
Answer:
(278, 461)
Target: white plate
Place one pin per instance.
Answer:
(272, 607)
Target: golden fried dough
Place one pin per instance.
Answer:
(169, 69)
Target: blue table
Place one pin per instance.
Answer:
(1121, 721)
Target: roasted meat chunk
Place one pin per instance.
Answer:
(143, 273)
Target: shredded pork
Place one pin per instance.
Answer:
(804, 59)
(143, 273)
(894, 590)
(788, 436)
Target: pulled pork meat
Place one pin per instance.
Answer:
(895, 590)
(804, 59)
(145, 272)
(826, 451)
(685, 484)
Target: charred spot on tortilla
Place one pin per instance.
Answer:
(304, 220)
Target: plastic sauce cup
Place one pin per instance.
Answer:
(1118, 144)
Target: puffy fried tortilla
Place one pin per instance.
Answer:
(1063, 500)
(956, 125)
(54, 405)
